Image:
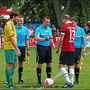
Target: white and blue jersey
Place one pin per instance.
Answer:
(43, 33)
(22, 35)
(80, 38)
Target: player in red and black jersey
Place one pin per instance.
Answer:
(67, 50)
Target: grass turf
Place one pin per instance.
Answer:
(30, 78)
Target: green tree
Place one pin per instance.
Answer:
(60, 9)
(34, 10)
(15, 4)
(81, 10)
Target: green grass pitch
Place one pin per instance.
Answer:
(30, 78)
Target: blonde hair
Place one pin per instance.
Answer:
(66, 16)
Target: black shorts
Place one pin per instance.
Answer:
(43, 54)
(22, 50)
(77, 55)
(67, 58)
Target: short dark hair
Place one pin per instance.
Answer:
(46, 17)
(66, 16)
(14, 13)
(73, 19)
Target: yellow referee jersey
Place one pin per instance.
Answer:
(9, 30)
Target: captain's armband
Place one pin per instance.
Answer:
(62, 33)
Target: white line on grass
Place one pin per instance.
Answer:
(87, 53)
(59, 74)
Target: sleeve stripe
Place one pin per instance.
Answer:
(85, 41)
(12, 27)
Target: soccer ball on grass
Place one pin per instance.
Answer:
(49, 82)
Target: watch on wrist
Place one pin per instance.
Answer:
(46, 39)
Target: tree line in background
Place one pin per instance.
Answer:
(34, 10)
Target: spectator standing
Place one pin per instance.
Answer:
(86, 28)
(53, 30)
(58, 32)
(31, 31)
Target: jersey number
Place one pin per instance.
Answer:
(72, 34)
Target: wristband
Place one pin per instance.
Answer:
(46, 39)
(84, 51)
(28, 48)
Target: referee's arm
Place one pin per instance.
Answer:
(40, 39)
(37, 36)
(84, 42)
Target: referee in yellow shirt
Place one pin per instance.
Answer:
(10, 47)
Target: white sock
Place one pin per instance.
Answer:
(71, 74)
(64, 72)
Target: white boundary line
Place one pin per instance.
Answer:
(59, 74)
(87, 53)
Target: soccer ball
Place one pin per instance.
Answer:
(49, 82)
